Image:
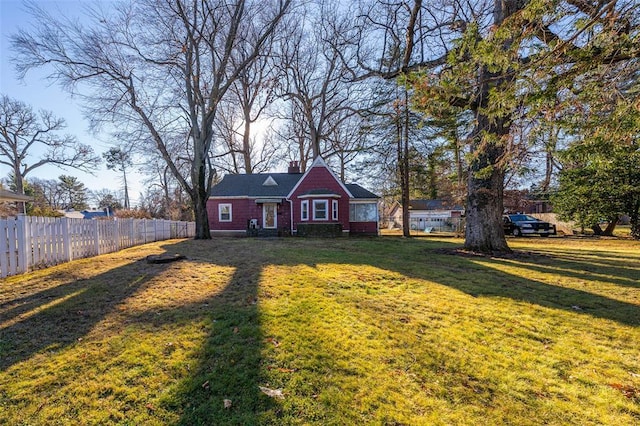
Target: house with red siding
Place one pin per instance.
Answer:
(312, 203)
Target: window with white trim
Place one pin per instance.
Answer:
(304, 210)
(334, 209)
(320, 208)
(364, 212)
(224, 212)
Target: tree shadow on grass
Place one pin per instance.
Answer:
(465, 272)
(620, 273)
(228, 362)
(443, 263)
(63, 314)
(231, 365)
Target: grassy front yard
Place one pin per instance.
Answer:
(327, 332)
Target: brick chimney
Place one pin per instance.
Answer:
(294, 167)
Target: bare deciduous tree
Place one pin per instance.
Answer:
(315, 60)
(161, 66)
(24, 135)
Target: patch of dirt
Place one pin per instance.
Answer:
(164, 258)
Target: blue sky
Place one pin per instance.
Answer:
(36, 91)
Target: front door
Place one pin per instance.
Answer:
(270, 215)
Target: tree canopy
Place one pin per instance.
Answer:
(496, 82)
(29, 140)
(120, 160)
(514, 63)
(159, 69)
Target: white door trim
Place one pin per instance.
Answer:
(274, 206)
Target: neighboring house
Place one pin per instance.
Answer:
(428, 215)
(523, 201)
(87, 214)
(392, 215)
(291, 203)
(12, 197)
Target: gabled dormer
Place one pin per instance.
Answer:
(322, 176)
(270, 181)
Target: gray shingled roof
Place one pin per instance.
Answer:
(431, 205)
(252, 186)
(6, 195)
(359, 192)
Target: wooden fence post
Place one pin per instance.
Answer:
(116, 233)
(4, 248)
(96, 231)
(23, 244)
(66, 240)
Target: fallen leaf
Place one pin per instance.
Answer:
(227, 403)
(273, 393)
(235, 330)
(274, 341)
(627, 390)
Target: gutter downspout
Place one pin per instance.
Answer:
(378, 218)
(290, 214)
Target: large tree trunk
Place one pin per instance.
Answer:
(202, 222)
(635, 228)
(611, 226)
(202, 218)
(302, 156)
(597, 230)
(199, 193)
(484, 230)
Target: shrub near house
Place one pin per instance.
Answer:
(313, 203)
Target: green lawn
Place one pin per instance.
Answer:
(382, 331)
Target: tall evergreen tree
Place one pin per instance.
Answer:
(73, 193)
(120, 160)
(525, 60)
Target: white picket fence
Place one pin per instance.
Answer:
(28, 243)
